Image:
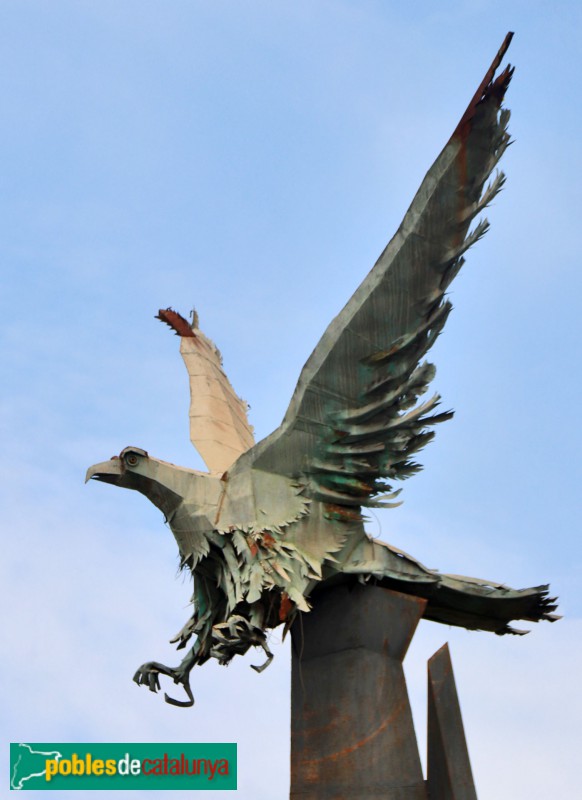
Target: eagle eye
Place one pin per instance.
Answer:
(131, 455)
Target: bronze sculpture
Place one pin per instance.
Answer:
(271, 521)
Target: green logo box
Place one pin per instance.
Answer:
(122, 766)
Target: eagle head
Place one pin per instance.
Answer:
(134, 469)
(188, 499)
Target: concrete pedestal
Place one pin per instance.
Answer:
(352, 734)
(449, 769)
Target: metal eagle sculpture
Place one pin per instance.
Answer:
(271, 521)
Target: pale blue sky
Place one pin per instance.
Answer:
(253, 159)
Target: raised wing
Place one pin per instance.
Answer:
(353, 421)
(219, 428)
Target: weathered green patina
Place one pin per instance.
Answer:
(272, 520)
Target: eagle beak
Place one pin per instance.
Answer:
(107, 471)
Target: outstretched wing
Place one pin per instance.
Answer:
(219, 428)
(353, 421)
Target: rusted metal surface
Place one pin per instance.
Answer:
(489, 86)
(270, 522)
(449, 774)
(352, 734)
(177, 323)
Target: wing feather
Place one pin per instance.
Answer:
(219, 427)
(353, 420)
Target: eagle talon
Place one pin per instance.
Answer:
(149, 675)
(270, 657)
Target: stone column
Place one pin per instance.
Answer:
(352, 734)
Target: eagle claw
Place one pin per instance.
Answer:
(149, 675)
